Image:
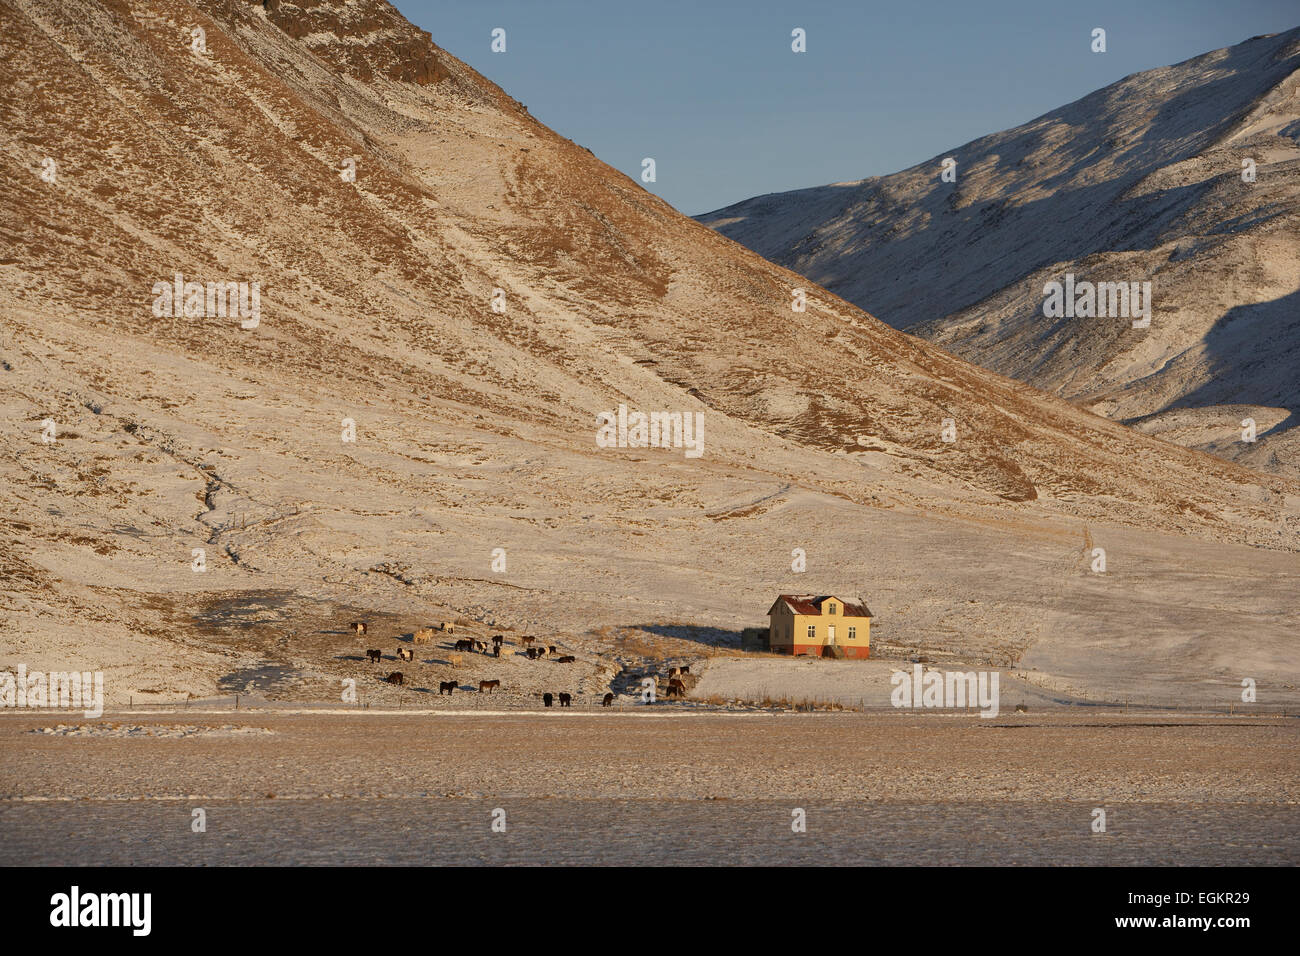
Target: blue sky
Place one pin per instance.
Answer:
(712, 90)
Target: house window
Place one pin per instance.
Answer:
(812, 632)
(832, 609)
(853, 634)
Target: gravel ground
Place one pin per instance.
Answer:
(632, 786)
(681, 755)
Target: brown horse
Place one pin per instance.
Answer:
(488, 685)
(548, 699)
(375, 655)
(465, 645)
(607, 701)
(525, 641)
(446, 687)
(395, 678)
(551, 650)
(566, 700)
(567, 659)
(498, 639)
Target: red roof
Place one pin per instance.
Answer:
(812, 604)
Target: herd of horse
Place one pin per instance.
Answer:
(676, 685)
(425, 634)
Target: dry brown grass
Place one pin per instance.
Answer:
(781, 702)
(639, 644)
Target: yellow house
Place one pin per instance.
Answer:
(825, 626)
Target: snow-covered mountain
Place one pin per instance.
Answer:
(1139, 182)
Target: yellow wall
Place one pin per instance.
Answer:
(841, 623)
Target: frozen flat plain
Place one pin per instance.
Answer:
(684, 789)
(446, 832)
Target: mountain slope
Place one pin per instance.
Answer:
(476, 428)
(1140, 181)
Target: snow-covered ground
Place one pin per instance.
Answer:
(475, 490)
